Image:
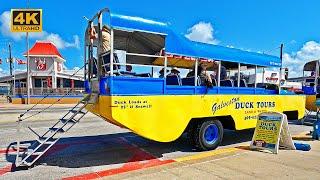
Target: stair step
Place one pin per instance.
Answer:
(37, 153)
(42, 144)
(63, 121)
(83, 101)
(59, 130)
(22, 146)
(50, 141)
(25, 165)
(91, 102)
(76, 111)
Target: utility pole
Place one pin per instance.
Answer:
(280, 72)
(10, 62)
(10, 59)
(28, 68)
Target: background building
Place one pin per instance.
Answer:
(47, 74)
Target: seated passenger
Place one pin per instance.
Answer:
(223, 73)
(161, 73)
(190, 74)
(128, 71)
(204, 75)
(174, 71)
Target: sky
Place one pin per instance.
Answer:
(251, 25)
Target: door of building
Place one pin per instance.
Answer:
(44, 83)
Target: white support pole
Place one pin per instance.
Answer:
(99, 52)
(85, 61)
(219, 73)
(256, 76)
(239, 66)
(196, 73)
(303, 79)
(263, 71)
(14, 78)
(280, 78)
(111, 51)
(316, 78)
(90, 56)
(165, 66)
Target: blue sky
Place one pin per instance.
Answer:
(251, 25)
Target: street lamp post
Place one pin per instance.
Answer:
(28, 70)
(11, 74)
(28, 64)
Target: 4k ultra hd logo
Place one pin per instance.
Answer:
(26, 20)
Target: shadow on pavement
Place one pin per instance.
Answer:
(111, 149)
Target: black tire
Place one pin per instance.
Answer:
(204, 131)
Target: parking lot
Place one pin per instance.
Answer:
(97, 149)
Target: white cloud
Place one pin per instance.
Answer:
(61, 44)
(295, 61)
(55, 38)
(202, 32)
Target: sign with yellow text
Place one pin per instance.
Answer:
(267, 132)
(26, 20)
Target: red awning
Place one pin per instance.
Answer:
(44, 48)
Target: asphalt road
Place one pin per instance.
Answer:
(94, 145)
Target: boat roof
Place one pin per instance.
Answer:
(179, 45)
(310, 66)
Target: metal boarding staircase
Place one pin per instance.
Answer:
(28, 154)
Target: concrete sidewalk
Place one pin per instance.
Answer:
(241, 164)
(9, 113)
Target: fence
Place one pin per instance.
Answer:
(50, 91)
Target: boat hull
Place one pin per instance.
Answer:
(164, 118)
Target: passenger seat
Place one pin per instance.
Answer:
(242, 83)
(226, 83)
(189, 81)
(173, 80)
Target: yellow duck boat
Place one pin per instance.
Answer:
(162, 107)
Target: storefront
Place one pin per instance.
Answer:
(47, 74)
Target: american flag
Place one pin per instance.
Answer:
(20, 61)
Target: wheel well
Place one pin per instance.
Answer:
(226, 121)
(291, 115)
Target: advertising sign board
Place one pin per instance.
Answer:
(26, 20)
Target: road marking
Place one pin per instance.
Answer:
(140, 159)
(5, 170)
(207, 154)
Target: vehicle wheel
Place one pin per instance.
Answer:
(208, 134)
